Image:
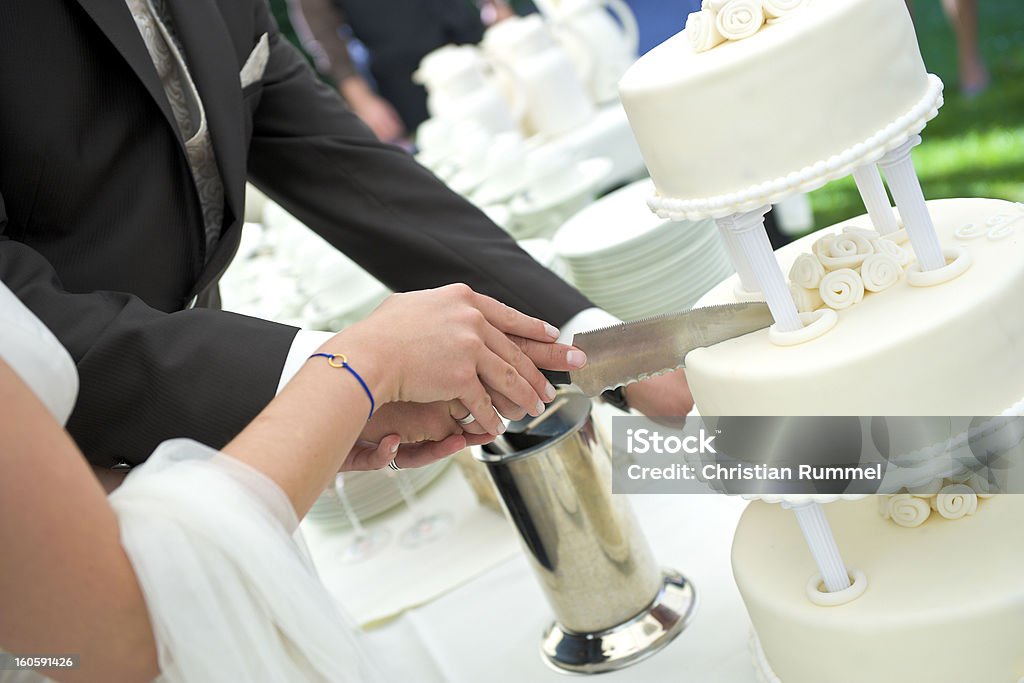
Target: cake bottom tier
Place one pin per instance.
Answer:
(944, 603)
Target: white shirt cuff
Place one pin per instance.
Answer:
(584, 321)
(306, 343)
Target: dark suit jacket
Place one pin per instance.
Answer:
(101, 233)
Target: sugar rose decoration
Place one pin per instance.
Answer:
(951, 500)
(722, 20)
(844, 267)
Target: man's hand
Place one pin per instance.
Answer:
(665, 396)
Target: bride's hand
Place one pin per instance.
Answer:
(366, 455)
(452, 343)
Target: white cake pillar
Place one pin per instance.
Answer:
(822, 543)
(898, 167)
(876, 200)
(752, 238)
(739, 261)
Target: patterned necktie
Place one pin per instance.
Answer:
(156, 27)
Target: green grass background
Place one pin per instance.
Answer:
(975, 148)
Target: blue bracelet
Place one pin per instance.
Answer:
(338, 360)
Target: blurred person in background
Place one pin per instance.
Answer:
(396, 34)
(963, 17)
(317, 28)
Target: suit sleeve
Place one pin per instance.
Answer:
(375, 203)
(146, 375)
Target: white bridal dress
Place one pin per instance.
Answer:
(230, 588)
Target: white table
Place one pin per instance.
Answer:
(489, 629)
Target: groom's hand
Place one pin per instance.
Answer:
(666, 396)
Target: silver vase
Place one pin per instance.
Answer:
(613, 604)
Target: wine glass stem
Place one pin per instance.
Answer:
(407, 493)
(350, 512)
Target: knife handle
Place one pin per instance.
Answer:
(557, 377)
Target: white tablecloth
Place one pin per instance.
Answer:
(489, 629)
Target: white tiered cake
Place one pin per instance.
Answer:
(910, 311)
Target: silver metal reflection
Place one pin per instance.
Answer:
(613, 604)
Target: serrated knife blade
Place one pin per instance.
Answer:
(634, 351)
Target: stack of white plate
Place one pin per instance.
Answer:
(370, 494)
(634, 264)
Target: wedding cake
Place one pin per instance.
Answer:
(903, 311)
(943, 599)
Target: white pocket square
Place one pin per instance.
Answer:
(256, 64)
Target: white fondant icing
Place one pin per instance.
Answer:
(969, 232)
(795, 499)
(810, 177)
(742, 295)
(807, 271)
(900, 236)
(932, 597)
(841, 288)
(981, 486)
(879, 272)
(846, 250)
(870, 234)
(806, 300)
(702, 32)
(958, 260)
(822, 598)
(1001, 227)
(761, 666)
(956, 501)
(912, 341)
(777, 9)
(883, 506)
(883, 246)
(908, 510)
(816, 323)
(739, 19)
(721, 20)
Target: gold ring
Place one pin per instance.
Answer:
(339, 364)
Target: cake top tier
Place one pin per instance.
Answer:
(828, 88)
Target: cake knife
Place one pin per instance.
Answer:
(630, 352)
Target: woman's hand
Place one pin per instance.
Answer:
(416, 422)
(454, 344)
(366, 455)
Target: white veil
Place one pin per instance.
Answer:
(231, 590)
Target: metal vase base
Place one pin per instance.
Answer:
(628, 643)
